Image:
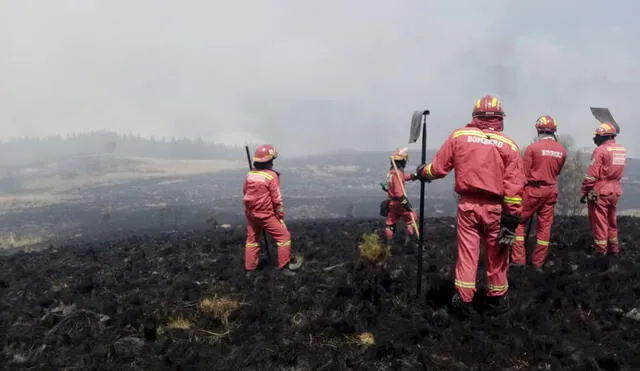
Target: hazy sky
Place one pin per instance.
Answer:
(314, 75)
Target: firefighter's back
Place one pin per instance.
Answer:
(257, 195)
(546, 162)
(612, 160)
(479, 161)
(614, 157)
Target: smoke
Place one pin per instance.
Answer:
(312, 76)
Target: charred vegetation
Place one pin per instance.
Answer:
(181, 301)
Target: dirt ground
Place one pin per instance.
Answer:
(182, 302)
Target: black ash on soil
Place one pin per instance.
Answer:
(182, 302)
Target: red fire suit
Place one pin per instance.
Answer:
(397, 211)
(543, 161)
(489, 179)
(603, 176)
(264, 210)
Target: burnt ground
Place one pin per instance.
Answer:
(112, 304)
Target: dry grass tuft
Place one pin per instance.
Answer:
(179, 323)
(220, 307)
(373, 250)
(211, 337)
(365, 339)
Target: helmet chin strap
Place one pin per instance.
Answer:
(401, 164)
(544, 134)
(600, 139)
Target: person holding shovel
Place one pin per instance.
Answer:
(264, 211)
(399, 207)
(489, 178)
(602, 188)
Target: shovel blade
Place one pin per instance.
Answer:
(416, 125)
(604, 115)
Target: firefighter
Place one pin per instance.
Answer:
(489, 179)
(264, 211)
(601, 188)
(543, 162)
(399, 205)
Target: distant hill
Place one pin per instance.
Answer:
(362, 158)
(343, 174)
(27, 151)
(358, 174)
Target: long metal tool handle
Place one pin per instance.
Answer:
(423, 159)
(264, 235)
(404, 193)
(246, 149)
(526, 238)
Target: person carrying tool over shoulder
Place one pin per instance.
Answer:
(543, 162)
(601, 188)
(399, 205)
(264, 211)
(489, 179)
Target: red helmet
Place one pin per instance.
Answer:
(546, 124)
(401, 154)
(488, 106)
(605, 129)
(265, 153)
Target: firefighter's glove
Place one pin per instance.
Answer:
(591, 196)
(508, 225)
(414, 176)
(280, 214)
(420, 173)
(405, 203)
(507, 237)
(384, 187)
